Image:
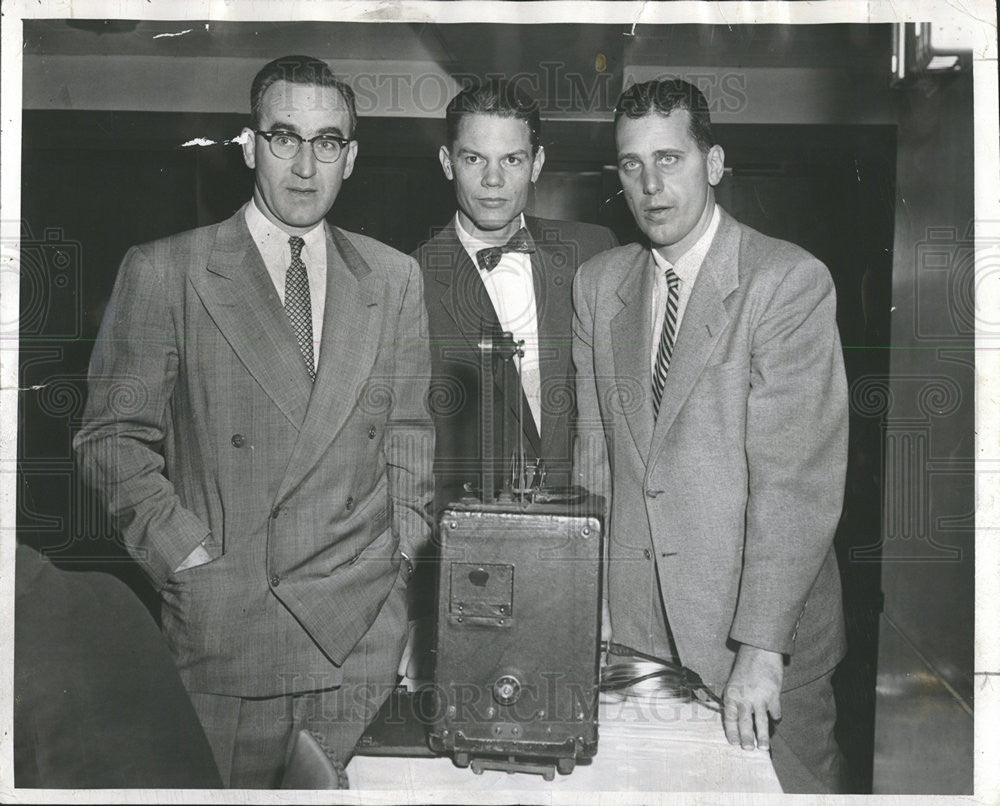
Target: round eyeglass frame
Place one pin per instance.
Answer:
(287, 154)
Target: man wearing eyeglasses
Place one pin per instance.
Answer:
(256, 427)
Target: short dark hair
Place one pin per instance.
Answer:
(299, 70)
(665, 96)
(498, 97)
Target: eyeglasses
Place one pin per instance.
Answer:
(285, 145)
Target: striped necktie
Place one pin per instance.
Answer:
(298, 304)
(667, 335)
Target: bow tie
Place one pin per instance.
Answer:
(520, 241)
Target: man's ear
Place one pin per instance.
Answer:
(248, 142)
(349, 157)
(444, 157)
(537, 163)
(715, 161)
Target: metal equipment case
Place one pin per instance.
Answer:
(518, 627)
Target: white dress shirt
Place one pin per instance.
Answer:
(512, 291)
(272, 243)
(686, 268)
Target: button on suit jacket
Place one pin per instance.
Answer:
(460, 311)
(202, 424)
(736, 488)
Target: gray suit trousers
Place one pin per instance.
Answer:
(251, 737)
(803, 748)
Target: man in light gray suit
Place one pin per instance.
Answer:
(256, 425)
(712, 404)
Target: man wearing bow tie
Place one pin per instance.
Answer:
(256, 425)
(493, 268)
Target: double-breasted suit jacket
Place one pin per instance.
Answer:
(202, 424)
(460, 312)
(735, 490)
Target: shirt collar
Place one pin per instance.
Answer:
(471, 243)
(272, 239)
(688, 264)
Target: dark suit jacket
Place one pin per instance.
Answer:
(459, 311)
(201, 421)
(736, 488)
(98, 703)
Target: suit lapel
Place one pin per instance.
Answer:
(630, 348)
(467, 302)
(462, 293)
(705, 318)
(552, 266)
(240, 297)
(347, 352)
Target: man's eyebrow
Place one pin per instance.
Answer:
(520, 152)
(660, 152)
(287, 126)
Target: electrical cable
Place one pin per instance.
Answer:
(652, 677)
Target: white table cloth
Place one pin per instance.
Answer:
(643, 746)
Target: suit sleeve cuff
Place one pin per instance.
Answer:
(773, 640)
(163, 559)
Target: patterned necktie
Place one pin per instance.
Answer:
(520, 241)
(298, 305)
(666, 348)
